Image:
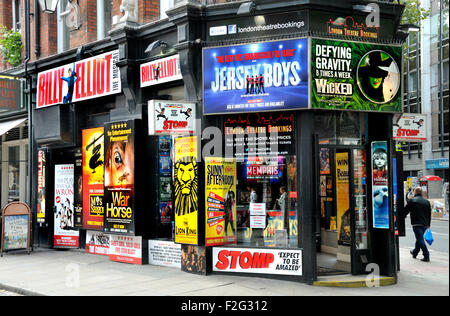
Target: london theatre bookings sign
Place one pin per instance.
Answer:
(256, 77)
(82, 80)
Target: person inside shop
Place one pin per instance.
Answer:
(420, 210)
(253, 195)
(282, 202)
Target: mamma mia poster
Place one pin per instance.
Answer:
(256, 77)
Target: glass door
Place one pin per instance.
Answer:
(14, 171)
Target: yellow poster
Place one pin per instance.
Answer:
(220, 201)
(342, 198)
(186, 190)
(93, 141)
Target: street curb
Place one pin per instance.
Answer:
(19, 290)
(383, 281)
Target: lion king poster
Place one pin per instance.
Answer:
(186, 190)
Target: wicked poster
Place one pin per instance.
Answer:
(186, 190)
(355, 76)
(119, 214)
(93, 178)
(220, 201)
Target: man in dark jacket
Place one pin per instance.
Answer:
(420, 210)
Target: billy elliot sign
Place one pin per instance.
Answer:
(82, 80)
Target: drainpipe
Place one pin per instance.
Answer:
(37, 26)
(30, 113)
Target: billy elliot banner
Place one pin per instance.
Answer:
(82, 80)
(256, 77)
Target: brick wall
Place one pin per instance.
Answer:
(148, 11)
(6, 20)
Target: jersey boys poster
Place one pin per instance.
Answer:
(220, 201)
(119, 178)
(256, 77)
(93, 178)
(65, 235)
(186, 190)
(82, 80)
(355, 76)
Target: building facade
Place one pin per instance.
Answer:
(426, 92)
(218, 136)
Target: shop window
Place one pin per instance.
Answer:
(266, 202)
(261, 148)
(344, 128)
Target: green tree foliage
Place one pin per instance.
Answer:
(10, 46)
(414, 13)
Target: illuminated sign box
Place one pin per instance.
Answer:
(82, 80)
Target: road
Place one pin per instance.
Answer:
(440, 231)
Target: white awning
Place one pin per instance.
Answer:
(6, 126)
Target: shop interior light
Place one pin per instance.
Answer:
(48, 6)
(409, 28)
(363, 8)
(155, 45)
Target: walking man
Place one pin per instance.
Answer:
(420, 210)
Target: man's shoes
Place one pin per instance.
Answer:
(425, 259)
(412, 254)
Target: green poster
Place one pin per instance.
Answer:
(355, 76)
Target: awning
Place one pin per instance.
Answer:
(430, 178)
(6, 126)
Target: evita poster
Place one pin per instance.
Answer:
(119, 194)
(380, 182)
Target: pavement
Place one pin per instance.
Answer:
(75, 273)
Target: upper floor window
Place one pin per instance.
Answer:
(16, 15)
(104, 18)
(165, 5)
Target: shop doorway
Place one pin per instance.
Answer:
(342, 229)
(14, 171)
